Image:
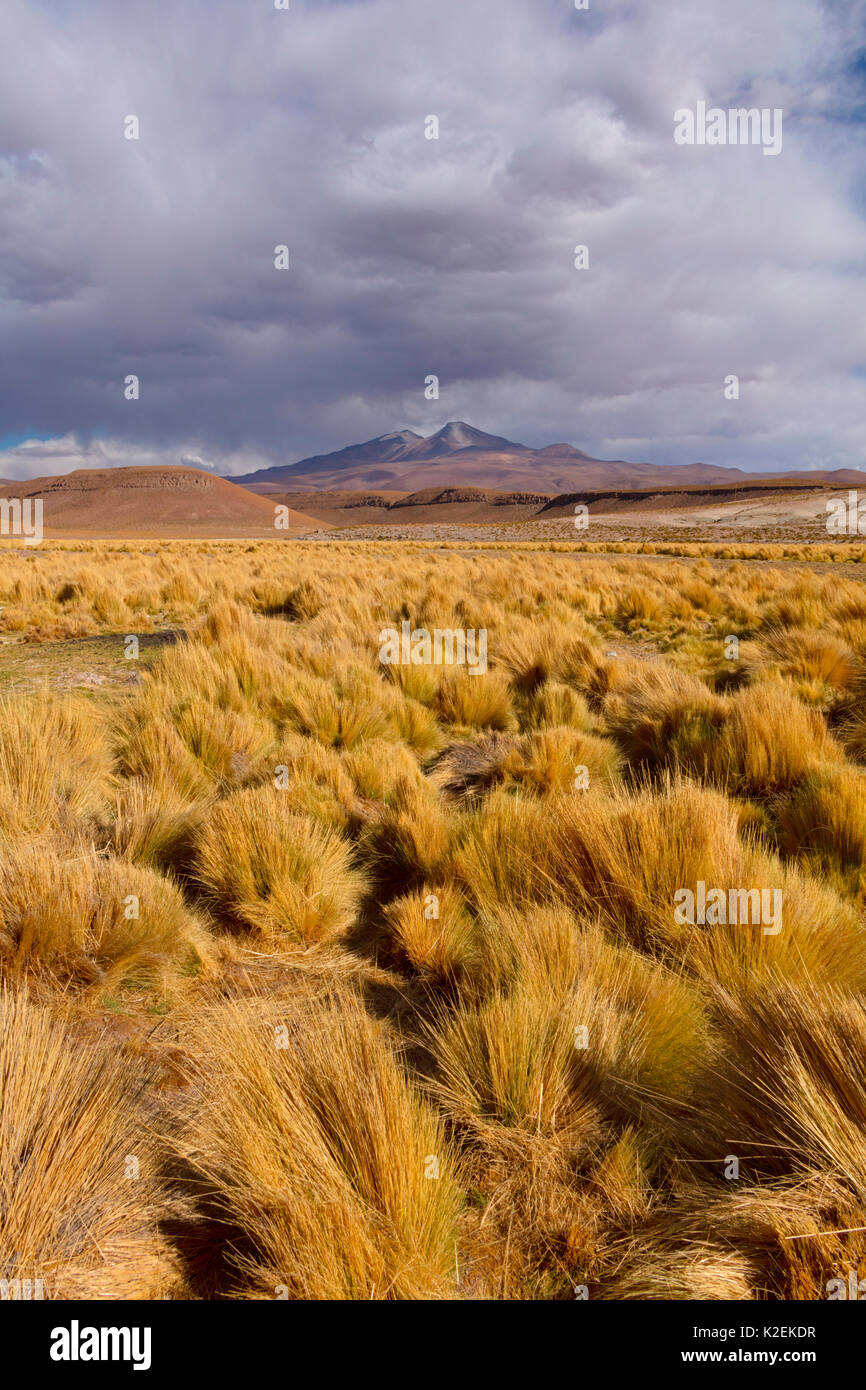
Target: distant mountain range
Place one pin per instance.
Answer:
(166, 501)
(459, 474)
(459, 455)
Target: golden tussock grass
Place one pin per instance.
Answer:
(80, 1187)
(55, 765)
(306, 928)
(435, 935)
(275, 872)
(91, 920)
(479, 701)
(408, 839)
(319, 1156)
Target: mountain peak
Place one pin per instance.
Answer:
(458, 435)
(407, 437)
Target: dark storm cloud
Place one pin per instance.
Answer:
(412, 256)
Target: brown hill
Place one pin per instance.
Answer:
(152, 502)
(337, 508)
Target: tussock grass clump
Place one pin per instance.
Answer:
(192, 728)
(581, 664)
(313, 780)
(788, 1084)
(296, 604)
(755, 742)
(662, 717)
(225, 620)
(347, 710)
(406, 843)
(87, 919)
(150, 749)
(419, 683)
(153, 825)
(624, 857)
(232, 747)
(744, 1244)
(529, 655)
(73, 1215)
(266, 868)
(646, 1029)
(378, 767)
(250, 673)
(821, 944)
(555, 705)
(636, 607)
(769, 741)
(341, 714)
(303, 601)
(852, 735)
(540, 763)
(55, 766)
(418, 727)
(850, 718)
(498, 852)
(542, 949)
(317, 1154)
(511, 1063)
(566, 760)
(628, 856)
(806, 655)
(433, 932)
(188, 670)
(822, 823)
(475, 700)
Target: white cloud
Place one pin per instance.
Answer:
(37, 458)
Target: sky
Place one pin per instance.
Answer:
(412, 257)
